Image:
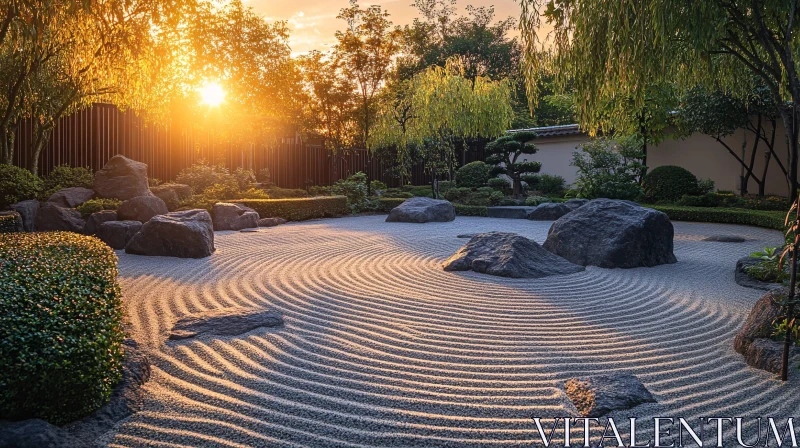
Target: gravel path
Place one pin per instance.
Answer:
(381, 347)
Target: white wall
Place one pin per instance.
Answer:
(700, 154)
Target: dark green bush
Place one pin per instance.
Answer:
(60, 325)
(377, 185)
(397, 193)
(319, 190)
(64, 176)
(669, 183)
(298, 209)
(483, 196)
(419, 190)
(758, 218)
(264, 176)
(472, 175)
(17, 184)
(285, 193)
(354, 188)
(546, 184)
(471, 210)
(706, 200)
(536, 200)
(498, 183)
(8, 223)
(96, 205)
(774, 203)
(385, 205)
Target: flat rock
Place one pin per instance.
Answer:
(18, 225)
(741, 277)
(509, 212)
(96, 219)
(172, 194)
(271, 222)
(122, 178)
(53, 217)
(117, 234)
(597, 395)
(184, 234)
(28, 210)
(71, 197)
(224, 322)
(613, 234)
(421, 210)
(36, 433)
(508, 255)
(229, 216)
(141, 208)
(725, 238)
(466, 235)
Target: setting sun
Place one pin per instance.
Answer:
(212, 94)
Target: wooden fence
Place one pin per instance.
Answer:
(90, 137)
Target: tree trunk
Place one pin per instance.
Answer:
(763, 185)
(42, 137)
(749, 173)
(7, 142)
(516, 183)
(789, 117)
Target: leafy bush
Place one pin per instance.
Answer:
(385, 205)
(775, 203)
(471, 210)
(769, 269)
(284, 193)
(245, 178)
(264, 176)
(154, 182)
(60, 325)
(609, 169)
(201, 175)
(705, 186)
(536, 200)
(8, 223)
(397, 193)
(419, 190)
(377, 185)
(298, 209)
(669, 183)
(96, 205)
(64, 176)
(354, 188)
(17, 184)
(758, 218)
(445, 186)
(498, 183)
(483, 196)
(319, 190)
(472, 175)
(546, 184)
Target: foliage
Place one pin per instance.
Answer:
(299, 209)
(546, 184)
(202, 175)
(705, 186)
(17, 184)
(8, 223)
(354, 188)
(284, 193)
(505, 153)
(471, 210)
(64, 176)
(385, 205)
(472, 175)
(419, 190)
(96, 205)
(608, 169)
(264, 176)
(482, 196)
(536, 200)
(758, 218)
(319, 190)
(669, 183)
(60, 325)
(154, 182)
(769, 269)
(377, 185)
(498, 183)
(398, 193)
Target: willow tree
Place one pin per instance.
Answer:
(436, 109)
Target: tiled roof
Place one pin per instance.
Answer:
(553, 131)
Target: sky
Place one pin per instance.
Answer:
(313, 22)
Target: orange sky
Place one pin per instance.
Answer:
(313, 22)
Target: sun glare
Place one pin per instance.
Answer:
(212, 94)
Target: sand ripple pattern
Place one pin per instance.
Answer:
(381, 347)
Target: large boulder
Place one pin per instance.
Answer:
(597, 395)
(52, 217)
(422, 210)
(754, 340)
(234, 216)
(550, 211)
(141, 208)
(122, 178)
(184, 234)
(224, 322)
(508, 255)
(28, 210)
(18, 226)
(94, 221)
(172, 194)
(71, 197)
(613, 234)
(117, 234)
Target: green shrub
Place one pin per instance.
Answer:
(483, 196)
(60, 325)
(354, 188)
(264, 176)
(96, 205)
(536, 200)
(201, 175)
(472, 175)
(758, 218)
(705, 186)
(509, 201)
(64, 176)
(498, 183)
(154, 182)
(706, 200)
(546, 184)
(669, 183)
(298, 209)
(445, 186)
(608, 169)
(385, 205)
(8, 223)
(397, 193)
(17, 184)
(377, 185)
(774, 203)
(319, 190)
(471, 210)
(419, 190)
(769, 269)
(285, 193)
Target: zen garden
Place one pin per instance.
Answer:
(574, 225)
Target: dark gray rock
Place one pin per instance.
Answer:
(94, 221)
(184, 234)
(52, 217)
(725, 238)
(36, 433)
(141, 208)
(509, 212)
(766, 354)
(224, 322)
(597, 395)
(234, 216)
(172, 194)
(117, 234)
(549, 211)
(122, 178)
(576, 203)
(466, 235)
(754, 339)
(71, 197)
(271, 222)
(28, 210)
(508, 255)
(613, 234)
(18, 226)
(421, 210)
(741, 277)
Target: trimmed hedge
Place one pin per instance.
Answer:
(385, 205)
(471, 210)
(758, 218)
(8, 223)
(298, 209)
(669, 183)
(60, 325)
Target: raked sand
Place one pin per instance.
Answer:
(381, 347)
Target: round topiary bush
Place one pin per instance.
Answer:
(499, 184)
(64, 176)
(17, 184)
(669, 183)
(472, 175)
(60, 325)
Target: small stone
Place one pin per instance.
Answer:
(271, 222)
(466, 235)
(597, 395)
(224, 322)
(71, 197)
(172, 194)
(726, 238)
